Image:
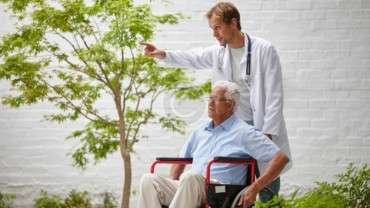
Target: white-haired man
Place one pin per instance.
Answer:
(225, 135)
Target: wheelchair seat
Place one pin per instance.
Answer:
(218, 195)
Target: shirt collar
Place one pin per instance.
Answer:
(226, 125)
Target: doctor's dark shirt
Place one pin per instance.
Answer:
(232, 138)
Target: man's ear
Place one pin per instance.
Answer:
(232, 106)
(234, 22)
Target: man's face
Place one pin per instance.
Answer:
(221, 31)
(219, 108)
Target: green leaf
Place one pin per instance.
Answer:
(172, 123)
(169, 18)
(97, 140)
(194, 92)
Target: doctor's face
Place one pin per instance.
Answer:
(222, 31)
(219, 107)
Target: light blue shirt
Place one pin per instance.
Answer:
(232, 138)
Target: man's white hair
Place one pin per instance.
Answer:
(232, 91)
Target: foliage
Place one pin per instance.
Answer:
(48, 201)
(354, 186)
(350, 190)
(6, 200)
(109, 201)
(276, 202)
(75, 199)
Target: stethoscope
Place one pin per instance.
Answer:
(247, 76)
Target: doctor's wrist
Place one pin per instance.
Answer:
(161, 54)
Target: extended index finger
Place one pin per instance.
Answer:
(147, 44)
(144, 43)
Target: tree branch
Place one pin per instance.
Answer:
(154, 97)
(81, 58)
(83, 111)
(97, 62)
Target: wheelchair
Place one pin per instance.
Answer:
(218, 195)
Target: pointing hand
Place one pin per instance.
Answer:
(152, 51)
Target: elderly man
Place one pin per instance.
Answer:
(225, 135)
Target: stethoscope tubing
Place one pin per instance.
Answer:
(249, 57)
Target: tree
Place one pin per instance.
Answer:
(73, 53)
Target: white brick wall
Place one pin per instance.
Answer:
(324, 47)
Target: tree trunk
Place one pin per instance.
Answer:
(125, 153)
(126, 192)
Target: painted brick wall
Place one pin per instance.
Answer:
(324, 46)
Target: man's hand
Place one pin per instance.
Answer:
(273, 169)
(176, 170)
(249, 196)
(152, 51)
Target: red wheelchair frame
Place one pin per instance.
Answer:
(248, 161)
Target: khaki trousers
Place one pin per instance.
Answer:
(188, 192)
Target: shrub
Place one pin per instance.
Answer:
(6, 200)
(77, 200)
(353, 186)
(109, 201)
(350, 190)
(276, 202)
(48, 201)
(323, 196)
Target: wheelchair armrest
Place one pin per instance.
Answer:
(233, 159)
(170, 160)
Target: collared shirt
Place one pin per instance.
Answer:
(232, 138)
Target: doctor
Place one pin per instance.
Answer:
(253, 64)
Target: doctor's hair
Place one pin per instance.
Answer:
(227, 11)
(232, 91)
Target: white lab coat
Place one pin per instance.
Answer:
(266, 90)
